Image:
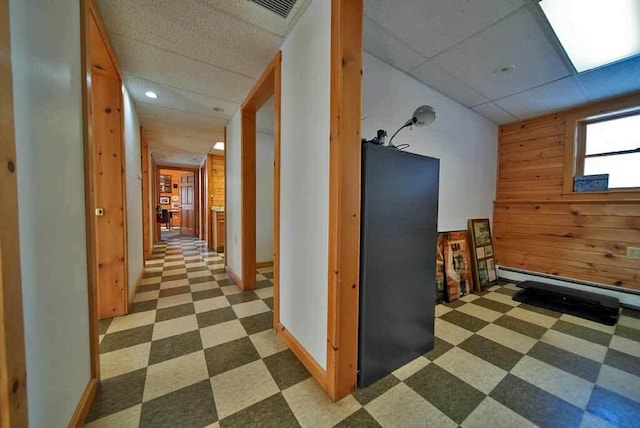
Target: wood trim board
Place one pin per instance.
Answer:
(13, 382)
(303, 355)
(84, 405)
(264, 264)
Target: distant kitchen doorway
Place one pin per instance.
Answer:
(177, 206)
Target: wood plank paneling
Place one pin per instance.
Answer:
(215, 166)
(540, 227)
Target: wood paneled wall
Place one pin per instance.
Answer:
(540, 226)
(215, 164)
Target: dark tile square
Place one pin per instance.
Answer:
(585, 333)
(103, 325)
(174, 291)
(454, 304)
(245, 296)
(618, 410)
(225, 282)
(118, 393)
(174, 277)
(360, 419)
(493, 305)
(488, 350)
(216, 316)
(376, 389)
(264, 284)
(230, 355)
(523, 327)
(539, 310)
(628, 332)
(192, 406)
(197, 269)
(167, 270)
(453, 397)
(152, 274)
(147, 305)
(273, 412)
(201, 279)
(174, 346)
(258, 323)
(465, 321)
(286, 369)
(206, 294)
(217, 271)
(172, 312)
(439, 348)
(629, 312)
(268, 275)
(506, 291)
(269, 302)
(148, 287)
(126, 338)
(567, 361)
(540, 407)
(623, 361)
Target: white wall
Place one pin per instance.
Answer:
(45, 45)
(465, 142)
(264, 196)
(233, 202)
(304, 179)
(133, 182)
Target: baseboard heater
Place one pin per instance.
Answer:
(583, 304)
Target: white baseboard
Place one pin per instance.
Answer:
(627, 298)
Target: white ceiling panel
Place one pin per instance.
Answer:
(432, 75)
(382, 44)
(167, 68)
(553, 96)
(495, 113)
(518, 41)
(169, 116)
(615, 79)
(196, 31)
(179, 99)
(431, 26)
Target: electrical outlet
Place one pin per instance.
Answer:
(633, 253)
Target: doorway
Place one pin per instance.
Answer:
(178, 206)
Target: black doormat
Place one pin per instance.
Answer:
(583, 304)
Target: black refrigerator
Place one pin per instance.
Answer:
(397, 259)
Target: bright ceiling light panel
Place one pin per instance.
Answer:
(594, 33)
(218, 146)
(151, 94)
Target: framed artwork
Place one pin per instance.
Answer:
(175, 198)
(440, 283)
(484, 267)
(165, 184)
(457, 262)
(164, 200)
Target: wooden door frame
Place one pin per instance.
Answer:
(13, 382)
(196, 190)
(146, 214)
(268, 85)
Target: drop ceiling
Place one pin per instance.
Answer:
(458, 47)
(200, 56)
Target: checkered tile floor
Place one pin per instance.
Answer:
(196, 351)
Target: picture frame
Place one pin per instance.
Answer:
(164, 200)
(457, 263)
(483, 262)
(440, 277)
(165, 184)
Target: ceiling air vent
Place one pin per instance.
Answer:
(280, 7)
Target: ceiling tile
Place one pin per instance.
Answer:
(167, 68)
(494, 113)
(148, 112)
(179, 99)
(516, 40)
(382, 44)
(545, 99)
(612, 80)
(197, 31)
(442, 81)
(176, 159)
(431, 26)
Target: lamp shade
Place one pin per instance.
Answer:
(423, 116)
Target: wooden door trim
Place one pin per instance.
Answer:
(260, 93)
(196, 188)
(344, 196)
(146, 212)
(13, 382)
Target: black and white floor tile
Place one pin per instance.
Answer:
(196, 351)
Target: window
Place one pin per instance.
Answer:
(611, 145)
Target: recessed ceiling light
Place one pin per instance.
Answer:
(151, 94)
(218, 109)
(596, 32)
(218, 146)
(505, 69)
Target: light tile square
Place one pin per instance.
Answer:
(204, 286)
(401, 406)
(628, 322)
(230, 289)
(264, 293)
(501, 298)
(124, 360)
(441, 310)
(174, 327)
(575, 345)
(165, 302)
(411, 367)
(174, 374)
(532, 317)
(509, 338)
(620, 382)
(239, 388)
(221, 276)
(210, 304)
(127, 418)
(132, 321)
(313, 408)
(218, 334)
(490, 413)
(450, 332)
(480, 312)
(588, 323)
(147, 295)
(151, 281)
(199, 273)
(476, 372)
(469, 298)
(625, 345)
(248, 309)
(267, 343)
(175, 283)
